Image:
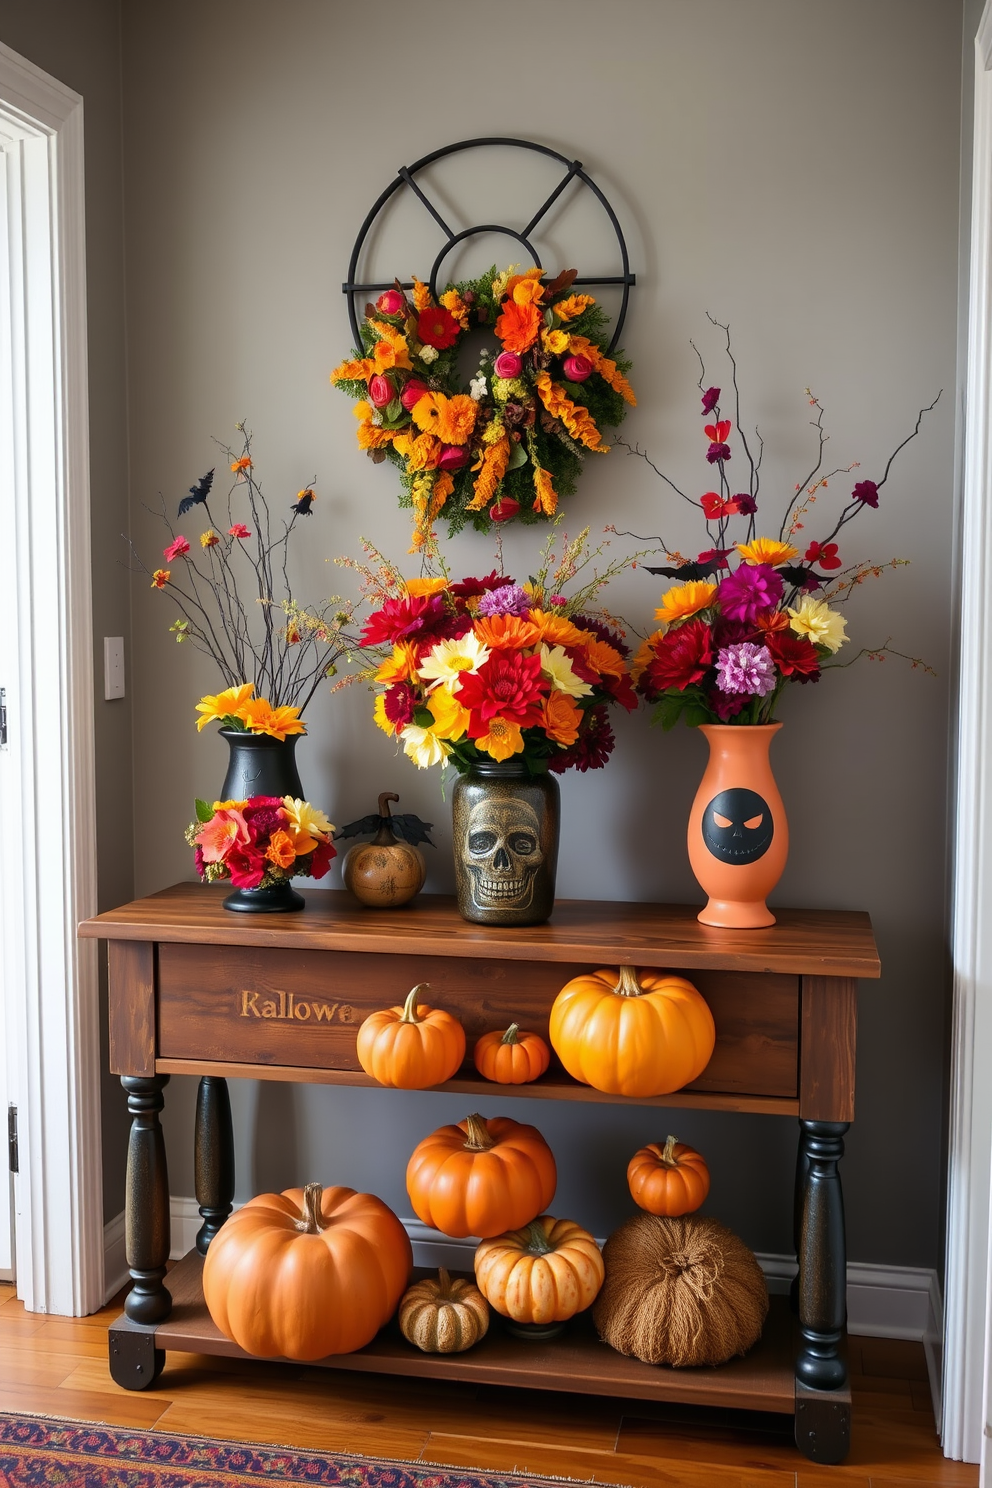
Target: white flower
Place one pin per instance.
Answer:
(484, 356)
(427, 354)
(423, 747)
(557, 667)
(376, 416)
(815, 619)
(449, 659)
(477, 388)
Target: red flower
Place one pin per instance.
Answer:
(717, 432)
(398, 618)
(239, 530)
(682, 656)
(720, 452)
(437, 328)
(825, 554)
(508, 685)
(471, 588)
(621, 690)
(321, 858)
(867, 492)
(727, 705)
(794, 655)
(263, 818)
(398, 704)
(717, 556)
(711, 398)
(591, 749)
(504, 510)
(714, 505)
(247, 867)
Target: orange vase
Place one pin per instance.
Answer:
(738, 834)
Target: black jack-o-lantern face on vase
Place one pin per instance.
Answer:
(737, 826)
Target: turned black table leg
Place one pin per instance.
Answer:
(822, 1258)
(798, 1199)
(146, 1208)
(213, 1157)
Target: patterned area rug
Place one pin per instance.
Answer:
(38, 1452)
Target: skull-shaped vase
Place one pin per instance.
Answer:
(505, 836)
(738, 834)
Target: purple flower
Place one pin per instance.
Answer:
(718, 452)
(749, 590)
(746, 504)
(711, 398)
(866, 491)
(508, 599)
(746, 668)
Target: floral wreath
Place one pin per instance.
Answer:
(513, 442)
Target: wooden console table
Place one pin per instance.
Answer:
(195, 989)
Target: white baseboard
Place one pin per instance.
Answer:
(114, 1259)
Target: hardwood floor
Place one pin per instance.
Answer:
(58, 1366)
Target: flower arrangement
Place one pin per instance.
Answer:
(752, 613)
(225, 587)
(261, 842)
(489, 669)
(511, 442)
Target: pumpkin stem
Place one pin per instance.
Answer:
(510, 1036)
(313, 1221)
(443, 1283)
(628, 985)
(668, 1157)
(477, 1138)
(384, 836)
(410, 1006)
(537, 1240)
(384, 801)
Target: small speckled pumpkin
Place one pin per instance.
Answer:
(385, 872)
(443, 1316)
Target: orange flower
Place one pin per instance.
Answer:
(503, 739)
(401, 666)
(495, 459)
(430, 491)
(685, 599)
(506, 631)
(421, 295)
(370, 435)
(772, 620)
(354, 371)
(280, 849)
(577, 420)
(526, 291)
(557, 630)
(518, 326)
(240, 466)
(530, 276)
(644, 657)
(160, 577)
(262, 718)
(420, 451)
(608, 370)
(561, 719)
(418, 587)
(604, 658)
(457, 419)
(573, 307)
(456, 306)
(546, 499)
(427, 411)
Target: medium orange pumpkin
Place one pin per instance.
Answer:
(511, 1058)
(411, 1047)
(630, 1035)
(481, 1177)
(545, 1273)
(306, 1273)
(668, 1178)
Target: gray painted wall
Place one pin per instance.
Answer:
(78, 42)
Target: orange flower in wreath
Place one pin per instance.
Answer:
(518, 326)
(456, 418)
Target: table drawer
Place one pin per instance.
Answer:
(254, 1005)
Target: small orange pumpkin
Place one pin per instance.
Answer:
(668, 1179)
(545, 1273)
(511, 1058)
(411, 1047)
(481, 1177)
(306, 1273)
(632, 1035)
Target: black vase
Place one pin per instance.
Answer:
(279, 899)
(260, 766)
(505, 838)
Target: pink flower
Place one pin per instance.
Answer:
(504, 510)
(413, 391)
(239, 530)
(175, 550)
(453, 457)
(390, 303)
(226, 831)
(748, 591)
(746, 668)
(577, 368)
(711, 398)
(381, 391)
(508, 364)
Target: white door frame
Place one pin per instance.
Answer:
(47, 778)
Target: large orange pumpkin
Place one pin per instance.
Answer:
(545, 1273)
(513, 1057)
(668, 1178)
(306, 1273)
(630, 1035)
(411, 1047)
(481, 1177)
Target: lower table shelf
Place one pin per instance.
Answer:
(576, 1362)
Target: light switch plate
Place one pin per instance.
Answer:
(113, 667)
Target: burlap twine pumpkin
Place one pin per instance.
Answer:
(680, 1291)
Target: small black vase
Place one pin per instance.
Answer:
(260, 766)
(279, 899)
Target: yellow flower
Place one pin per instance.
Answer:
(401, 666)
(556, 665)
(209, 539)
(160, 578)
(815, 619)
(687, 599)
(450, 718)
(262, 718)
(766, 550)
(503, 739)
(417, 588)
(423, 746)
(445, 663)
(305, 827)
(227, 704)
(230, 805)
(555, 341)
(379, 715)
